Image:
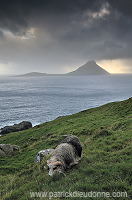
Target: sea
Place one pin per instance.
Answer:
(42, 99)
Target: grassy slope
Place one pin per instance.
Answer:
(105, 134)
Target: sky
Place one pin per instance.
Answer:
(58, 36)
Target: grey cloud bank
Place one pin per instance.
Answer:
(58, 36)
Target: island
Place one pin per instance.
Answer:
(90, 68)
(33, 74)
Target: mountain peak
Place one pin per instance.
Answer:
(91, 62)
(89, 68)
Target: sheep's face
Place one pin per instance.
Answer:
(55, 168)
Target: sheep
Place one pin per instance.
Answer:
(73, 140)
(65, 155)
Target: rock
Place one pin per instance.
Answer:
(16, 127)
(43, 153)
(8, 149)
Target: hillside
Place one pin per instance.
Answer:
(90, 68)
(105, 134)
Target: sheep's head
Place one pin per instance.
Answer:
(55, 168)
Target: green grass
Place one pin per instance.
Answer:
(105, 134)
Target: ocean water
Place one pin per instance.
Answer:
(41, 99)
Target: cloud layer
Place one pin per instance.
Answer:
(56, 36)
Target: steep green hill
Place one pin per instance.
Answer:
(105, 134)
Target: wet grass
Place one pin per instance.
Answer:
(105, 134)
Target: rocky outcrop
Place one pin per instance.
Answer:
(16, 127)
(8, 149)
(43, 153)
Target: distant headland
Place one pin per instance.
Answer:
(90, 68)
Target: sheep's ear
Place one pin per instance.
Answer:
(48, 162)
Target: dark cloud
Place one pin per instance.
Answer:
(65, 30)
